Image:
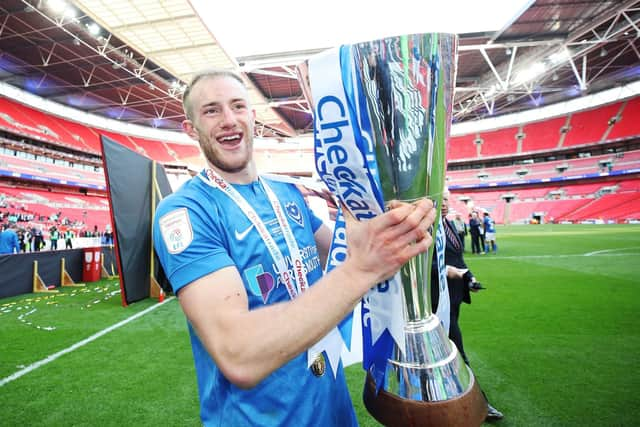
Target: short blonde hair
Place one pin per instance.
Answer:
(204, 74)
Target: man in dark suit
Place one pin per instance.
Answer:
(475, 228)
(461, 282)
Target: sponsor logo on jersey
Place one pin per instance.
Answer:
(240, 235)
(260, 283)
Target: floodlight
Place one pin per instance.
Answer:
(489, 93)
(70, 13)
(530, 73)
(58, 6)
(94, 29)
(559, 57)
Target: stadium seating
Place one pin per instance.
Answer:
(184, 151)
(580, 166)
(617, 200)
(542, 136)
(50, 170)
(73, 206)
(499, 142)
(628, 124)
(589, 127)
(557, 210)
(87, 137)
(583, 128)
(609, 206)
(627, 160)
(156, 150)
(16, 118)
(583, 189)
(629, 185)
(25, 121)
(462, 147)
(531, 193)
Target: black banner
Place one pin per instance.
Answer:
(132, 192)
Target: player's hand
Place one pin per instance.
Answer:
(455, 273)
(378, 247)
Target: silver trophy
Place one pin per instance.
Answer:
(408, 84)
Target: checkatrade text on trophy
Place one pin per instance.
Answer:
(382, 114)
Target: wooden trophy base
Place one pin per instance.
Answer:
(468, 409)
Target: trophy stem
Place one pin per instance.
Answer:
(415, 278)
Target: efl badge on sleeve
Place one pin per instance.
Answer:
(176, 230)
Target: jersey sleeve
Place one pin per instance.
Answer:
(188, 241)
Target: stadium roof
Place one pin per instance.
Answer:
(128, 60)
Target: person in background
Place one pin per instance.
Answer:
(460, 282)
(38, 240)
(68, 235)
(30, 239)
(108, 235)
(244, 255)
(9, 240)
(475, 226)
(461, 229)
(482, 234)
(21, 241)
(54, 235)
(490, 233)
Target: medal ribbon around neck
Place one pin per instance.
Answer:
(297, 283)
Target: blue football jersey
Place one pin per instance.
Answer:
(489, 225)
(199, 230)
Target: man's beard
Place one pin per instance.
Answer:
(226, 167)
(217, 161)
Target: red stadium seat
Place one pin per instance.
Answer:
(462, 147)
(542, 136)
(629, 123)
(499, 142)
(589, 127)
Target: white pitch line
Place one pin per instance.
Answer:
(490, 257)
(79, 344)
(608, 250)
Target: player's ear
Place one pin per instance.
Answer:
(189, 129)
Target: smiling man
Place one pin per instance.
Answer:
(243, 256)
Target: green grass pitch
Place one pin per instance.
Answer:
(553, 340)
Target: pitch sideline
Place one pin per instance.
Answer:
(79, 344)
(597, 253)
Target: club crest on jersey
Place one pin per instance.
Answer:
(294, 213)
